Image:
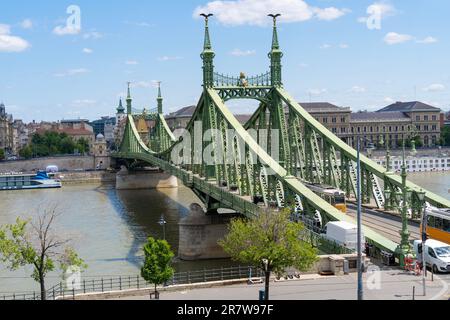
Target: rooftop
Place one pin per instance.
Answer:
(186, 112)
(379, 117)
(412, 106)
(312, 107)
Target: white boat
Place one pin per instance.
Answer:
(40, 180)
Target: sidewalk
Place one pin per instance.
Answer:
(395, 285)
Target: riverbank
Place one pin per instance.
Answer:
(87, 177)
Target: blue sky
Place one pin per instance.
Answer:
(330, 53)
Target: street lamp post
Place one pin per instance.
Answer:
(359, 221)
(404, 248)
(421, 196)
(267, 274)
(162, 222)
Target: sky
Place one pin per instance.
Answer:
(56, 64)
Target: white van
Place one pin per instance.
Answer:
(437, 254)
(345, 234)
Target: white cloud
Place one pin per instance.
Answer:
(428, 40)
(72, 72)
(67, 30)
(344, 46)
(396, 38)
(388, 100)
(303, 65)
(9, 43)
(26, 24)
(145, 84)
(87, 50)
(254, 12)
(94, 35)
(131, 62)
(317, 92)
(358, 89)
(242, 53)
(435, 87)
(84, 102)
(325, 46)
(168, 58)
(5, 29)
(329, 14)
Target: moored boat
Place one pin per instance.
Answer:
(40, 180)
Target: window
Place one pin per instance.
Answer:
(325, 120)
(425, 118)
(343, 120)
(334, 120)
(434, 118)
(417, 118)
(433, 127)
(431, 252)
(342, 130)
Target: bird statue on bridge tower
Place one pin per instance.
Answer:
(275, 54)
(207, 56)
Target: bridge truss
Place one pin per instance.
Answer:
(247, 174)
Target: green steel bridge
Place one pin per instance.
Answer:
(247, 174)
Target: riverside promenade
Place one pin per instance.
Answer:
(393, 284)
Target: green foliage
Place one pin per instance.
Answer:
(445, 136)
(157, 264)
(17, 249)
(52, 143)
(2, 154)
(270, 236)
(26, 153)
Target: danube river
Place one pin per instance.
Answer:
(109, 227)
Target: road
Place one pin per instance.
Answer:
(386, 225)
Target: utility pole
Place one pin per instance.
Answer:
(360, 264)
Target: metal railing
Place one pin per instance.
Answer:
(121, 283)
(259, 80)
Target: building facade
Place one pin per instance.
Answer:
(389, 125)
(105, 126)
(6, 130)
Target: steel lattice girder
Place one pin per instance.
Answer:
(349, 152)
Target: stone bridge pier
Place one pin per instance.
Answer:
(199, 234)
(148, 179)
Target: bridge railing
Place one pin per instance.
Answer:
(221, 80)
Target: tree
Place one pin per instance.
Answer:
(37, 246)
(2, 154)
(271, 241)
(445, 136)
(157, 264)
(83, 145)
(26, 152)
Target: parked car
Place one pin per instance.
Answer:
(437, 254)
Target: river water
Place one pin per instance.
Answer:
(109, 227)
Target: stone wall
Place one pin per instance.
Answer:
(137, 180)
(69, 163)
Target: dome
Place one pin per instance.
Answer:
(100, 137)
